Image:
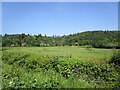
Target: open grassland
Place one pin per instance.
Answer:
(74, 52)
(58, 67)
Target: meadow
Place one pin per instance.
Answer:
(58, 67)
(74, 51)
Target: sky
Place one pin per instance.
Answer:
(58, 18)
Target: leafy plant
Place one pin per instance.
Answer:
(115, 58)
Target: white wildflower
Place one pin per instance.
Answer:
(10, 82)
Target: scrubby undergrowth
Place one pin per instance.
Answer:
(22, 70)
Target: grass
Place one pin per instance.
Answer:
(58, 67)
(74, 52)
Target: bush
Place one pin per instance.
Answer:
(115, 58)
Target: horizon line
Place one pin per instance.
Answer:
(54, 34)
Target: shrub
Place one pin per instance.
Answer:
(115, 58)
(31, 71)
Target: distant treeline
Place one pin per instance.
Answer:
(97, 39)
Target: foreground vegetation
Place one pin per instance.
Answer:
(60, 67)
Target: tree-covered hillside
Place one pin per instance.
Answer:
(99, 39)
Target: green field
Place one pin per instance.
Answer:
(75, 52)
(58, 67)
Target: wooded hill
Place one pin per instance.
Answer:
(97, 39)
